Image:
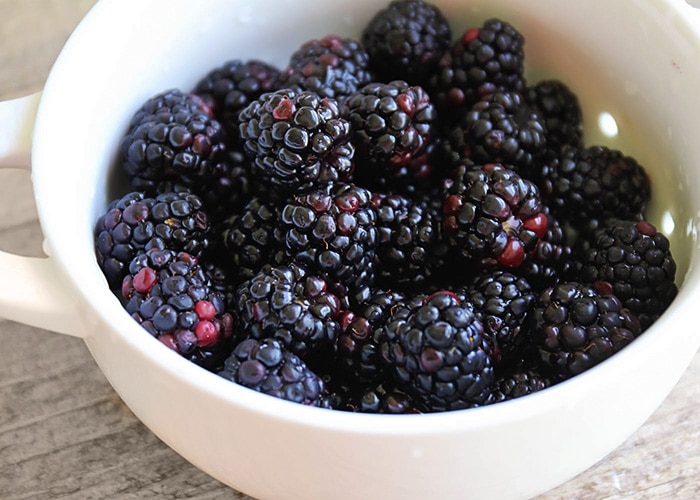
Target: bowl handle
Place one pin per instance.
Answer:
(32, 290)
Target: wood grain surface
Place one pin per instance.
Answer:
(65, 434)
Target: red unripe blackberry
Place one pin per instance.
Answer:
(172, 296)
(268, 367)
(296, 140)
(492, 214)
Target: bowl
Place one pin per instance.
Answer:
(639, 76)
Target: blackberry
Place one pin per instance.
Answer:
(406, 40)
(332, 231)
(229, 88)
(331, 66)
(483, 61)
(268, 367)
(636, 260)
(501, 302)
(380, 397)
(492, 214)
(252, 239)
(358, 352)
(560, 109)
(438, 354)
(499, 128)
(411, 248)
(172, 137)
(296, 140)
(290, 305)
(391, 126)
(576, 326)
(522, 380)
(594, 184)
(135, 223)
(171, 296)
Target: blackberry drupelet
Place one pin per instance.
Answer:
(135, 223)
(292, 306)
(594, 184)
(438, 354)
(331, 66)
(172, 137)
(229, 88)
(391, 126)
(332, 232)
(296, 140)
(501, 302)
(492, 215)
(411, 248)
(559, 107)
(252, 239)
(499, 128)
(636, 260)
(172, 297)
(268, 367)
(576, 326)
(483, 61)
(406, 40)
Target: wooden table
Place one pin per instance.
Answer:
(64, 433)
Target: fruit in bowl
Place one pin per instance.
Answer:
(353, 453)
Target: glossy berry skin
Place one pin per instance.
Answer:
(406, 39)
(521, 381)
(482, 61)
(577, 326)
(559, 107)
(492, 214)
(135, 223)
(287, 304)
(268, 367)
(172, 137)
(438, 354)
(636, 260)
(296, 140)
(173, 297)
(331, 66)
(391, 127)
(380, 397)
(332, 232)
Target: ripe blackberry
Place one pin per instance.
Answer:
(171, 296)
(559, 107)
(483, 61)
(501, 302)
(522, 380)
(391, 126)
(252, 239)
(287, 304)
(576, 326)
(268, 367)
(553, 258)
(379, 397)
(135, 223)
(296, 140)
(332, 231)
(229, 88)
(331, 66)
(411, 248)
(406, 40)
(492, 214)
(499, 128)
(358, 350)
(172, 137)
(594, 184)
(438, 354)
(636, 260)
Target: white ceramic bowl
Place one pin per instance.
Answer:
(635, 61)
